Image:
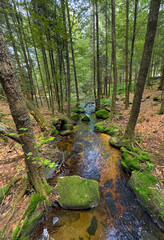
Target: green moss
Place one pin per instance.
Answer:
(143, 158)
(4, 190)
(162, 215)
(105, 128)
(127, 144)
(30, 225)
(15, 233)
(85, 118)
(75, 116)
(156, 99)
(130, 163)
(25, 223)
(78, 193)
(144, 180)
(102, 113)
(68, 126)
(75, 110)
(35, 199)
(105, 101)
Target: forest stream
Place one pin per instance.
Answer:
(119, 215)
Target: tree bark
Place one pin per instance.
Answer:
(126, 50)
(73, 56)
(67, 62)
(144, 66)
(132, 48)
(21, 118)
(98, 59)
(114, 58)
(93, 46)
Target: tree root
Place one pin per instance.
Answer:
(13, 208)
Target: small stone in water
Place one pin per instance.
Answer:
(55, 220)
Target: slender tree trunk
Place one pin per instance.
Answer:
(126, 50)
(106, 52)
(93, 45)
(36, 54)
(67, 62)
(15, 52)
(73, 56)
(132, 48)
(98, 59)
(114, 58)
(144, 66)
(21, 118)
(20, 37)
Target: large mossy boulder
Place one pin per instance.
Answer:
(116, 142)
(65, 133)
(102, 113)
(143, 185)
(68, 126)
(85, 118)
(77, 193)
(75, 116)
(105, 127)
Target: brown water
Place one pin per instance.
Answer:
(119, 215)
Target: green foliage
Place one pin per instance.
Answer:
(35, 199)
(102, 113)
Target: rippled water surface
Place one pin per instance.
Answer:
(119, 215)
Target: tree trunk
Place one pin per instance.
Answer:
(106, 52)
(132, 48)
(114, 58)
(67, 62)
(144, 66)
(73, 56)
(98, 59)
(126, 50)
(21, 118)
(93, 46)
(15, 51)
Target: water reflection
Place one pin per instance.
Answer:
(119, 215)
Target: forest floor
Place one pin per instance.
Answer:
(149, 132)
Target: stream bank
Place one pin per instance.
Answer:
(119, 215)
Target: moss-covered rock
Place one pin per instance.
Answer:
(77, 193)
(142, 184)
(116, 142)
(85, 118)
(78, 110)
(104, 127)
(65, 133)
(75, 116)
(68, 126)
(129, 163)
(102, 113)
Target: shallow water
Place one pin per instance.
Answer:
(119, 215)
